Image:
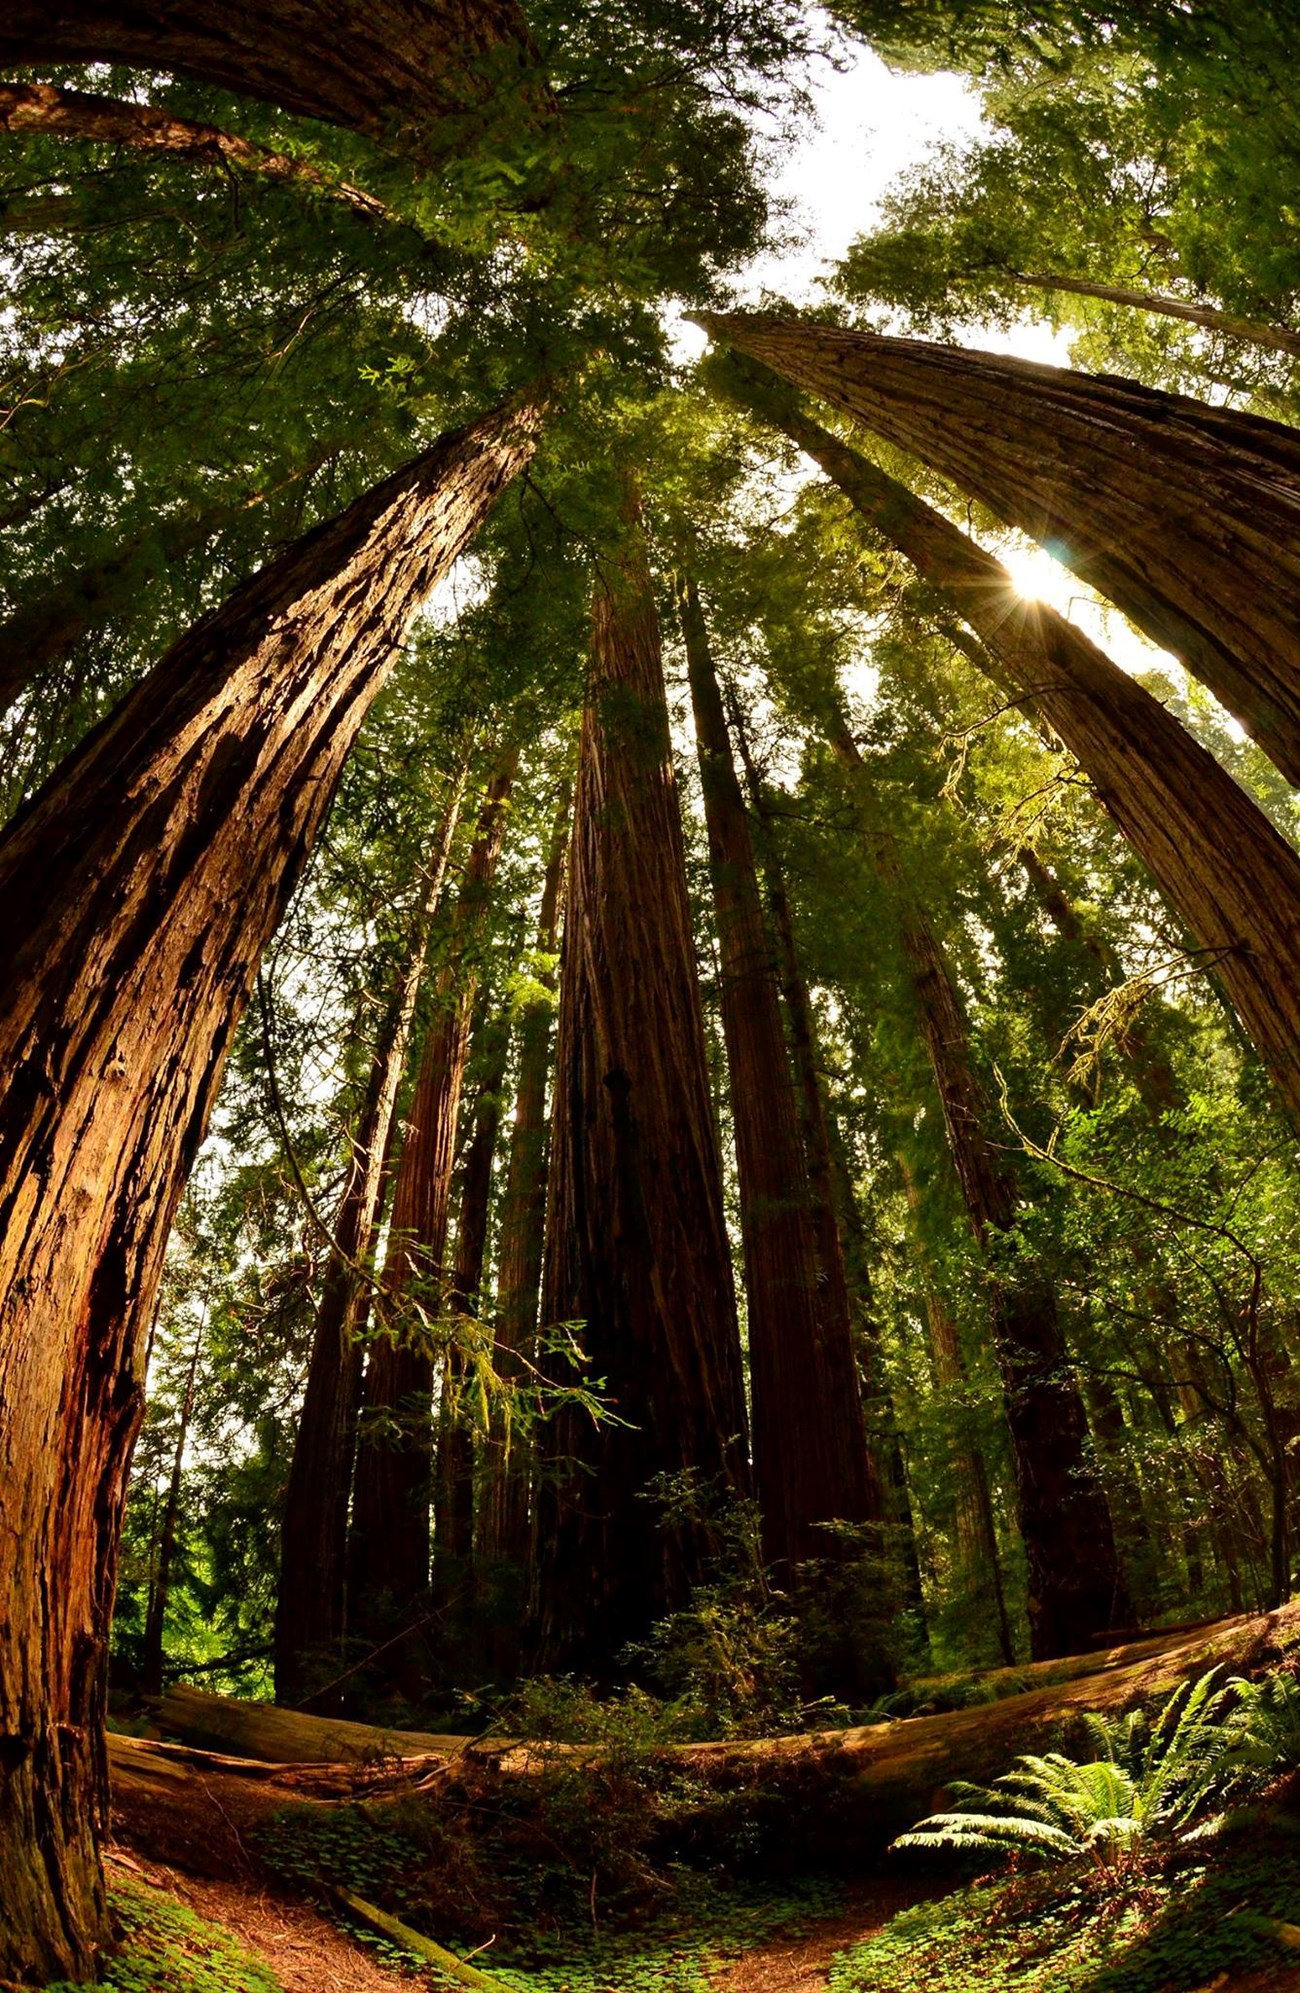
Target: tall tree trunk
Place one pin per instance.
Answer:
(636, 1243)
(1076, 1589)
(309, 1617)
(1185, 516)
(151, 1664)
(978, 1559)
(809, 1438)
(392, 1487)
(1211, 850)
(454, 1506)
(1251, 331)
(503, 1535)
(136, 893)
(392, 69)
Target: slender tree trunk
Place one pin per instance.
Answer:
(392, 1488)
(136, 893)
(503, 1520)
(1212, 852)
(636, 1244)
(454, 1507)
(151, 1665)
(43, 110)
(1185, 516)
(810, 1443)
(310, 1600)
(391, 70)
(1076, 1589)
(1277, 338)
(978, 1559)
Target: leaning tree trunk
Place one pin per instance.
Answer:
(636, 1244)
(1211, 850)
(136, 893)
(1185, 516)
(1076, 1589)
(309, 1610)
(810, 1445)
(1251, 331)
(502, 1524)
(43, 110)
(392, 1488)
(391, 69)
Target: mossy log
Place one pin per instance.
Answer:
(286, 1736)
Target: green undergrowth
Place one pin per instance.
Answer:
(1198, 1915)
(167, 1949)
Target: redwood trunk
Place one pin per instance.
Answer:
(394, 66)
(503, 1519)
(1250, 330)
(392, 1490)
(1185, 516)
(1076, 1589)
(454, 1508)
(136, 892)
(1213, 853)
(310, 1612)
(810, 1443)
(636, 1244)
(43, 110)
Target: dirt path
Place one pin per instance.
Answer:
(801, 1964)
(306, 1952)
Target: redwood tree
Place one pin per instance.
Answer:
(636, 1244)
(1185, 515)
(137, 891)
(309, 1616)
(1225, 870)
(810, 1444)
(392, 1486)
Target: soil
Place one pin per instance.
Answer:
(307, 1953)
(800, 1964)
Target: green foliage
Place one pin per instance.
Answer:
(1147, 1782)
(1266, 1723)
(165, 1948)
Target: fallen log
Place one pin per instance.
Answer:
(287, 1736)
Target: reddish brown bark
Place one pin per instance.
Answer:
(809, 1438)
(1213, 853)
(391, 69)
(309, 1620)
(44, 110)
(392, 1487)
(503, 1535)
(1186, 516)
(636, 1244)
(136, 892)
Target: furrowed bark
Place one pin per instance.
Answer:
(392, 1487)
(636, 1244)
(43, 110)
(1211, 850)
(136, 893)
(502, 1522)
(809, 1437)
(391, 69)
(310, 1599)
(1076, 1588)
(1185, 516)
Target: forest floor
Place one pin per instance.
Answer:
(700, 1869)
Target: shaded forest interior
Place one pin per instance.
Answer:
(650, 1013)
